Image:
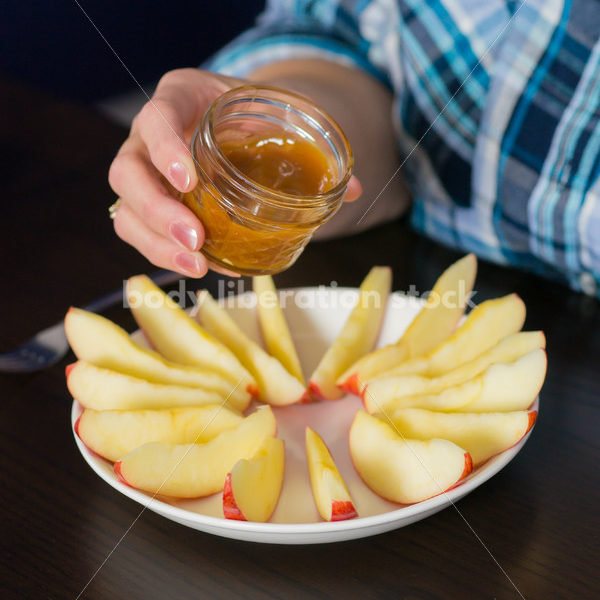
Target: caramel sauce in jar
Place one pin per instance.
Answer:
(285, 163)
(272, 168)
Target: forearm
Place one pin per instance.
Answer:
(363, 107)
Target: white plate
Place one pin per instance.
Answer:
(315, 316)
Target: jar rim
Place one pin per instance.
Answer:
(241, 180)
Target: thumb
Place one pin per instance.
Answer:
(354, 190)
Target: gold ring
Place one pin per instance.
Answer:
(113, 208)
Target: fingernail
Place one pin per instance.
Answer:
(184, 235)
(190, 263)
(179, 176)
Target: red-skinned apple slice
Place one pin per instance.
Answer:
(104, 344)
(114, 433)
(358, 336)
(331, 495)
(403, 470)
(437, 319)
(276, 386)
(253, 487)
(177, 336)
(482, 435)
(274, 327)
(507, 350)
(103, 389)
(501, 387)
(195, 470)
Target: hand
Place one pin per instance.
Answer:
(166, 232)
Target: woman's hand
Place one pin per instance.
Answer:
(166, 232)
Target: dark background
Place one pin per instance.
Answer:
(52, 45)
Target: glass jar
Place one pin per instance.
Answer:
(252, 228)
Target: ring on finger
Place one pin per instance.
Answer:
(113, 208)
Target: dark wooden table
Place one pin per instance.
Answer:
(539, 517)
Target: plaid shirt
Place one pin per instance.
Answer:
(497, 109)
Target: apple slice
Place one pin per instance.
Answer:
(114, 433)
(276, 386)
(195, 470)
(484, 327)
(437, 319)
(274, 327)
(253, 487)
(329, 490)
(443, 309)
(104, 344)
(357, 337)
(404, 470)
(506, 350)
(380, 396)
(525, 379)
(177, 336)
(103, 389)
(482, 435)
(501, 387)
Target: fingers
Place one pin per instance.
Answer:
(158, 250)
(165, 123)
(149, 218)
(161, 127)
(136, 181)
(354, 190)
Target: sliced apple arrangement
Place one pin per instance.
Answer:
(177, 419)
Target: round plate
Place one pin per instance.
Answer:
(315, 317)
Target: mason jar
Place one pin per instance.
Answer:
(259, 153)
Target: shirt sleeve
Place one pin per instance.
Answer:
(502, 138)
(299, 29)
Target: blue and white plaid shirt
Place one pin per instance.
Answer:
(509, 95)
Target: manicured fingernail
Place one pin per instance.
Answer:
(184, 235)
(190, 263)
(179, 176)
